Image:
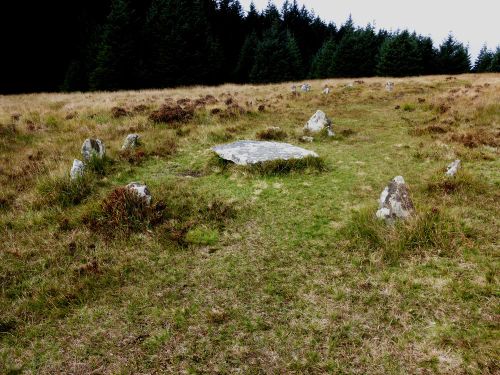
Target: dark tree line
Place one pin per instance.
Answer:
(131, 44)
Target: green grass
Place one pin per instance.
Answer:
(275, 268)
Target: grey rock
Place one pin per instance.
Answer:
(93, 147)
(452, 168)
(131, 142)
(141, 190)
(306, 138)
(318, 122)
(252, 152)
(326, 90)
(306, 87)
(395, 201)
(77, 170)
(350, 85)
(389, 86)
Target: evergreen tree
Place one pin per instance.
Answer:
(322, 64)
(356, 54)
(484, 60)
(246, 59)
(277, 58)
(428, 55)
(495, 62)
(453, 57)
(400, 56)
(229, 30)
(182, 49)
(117, 62)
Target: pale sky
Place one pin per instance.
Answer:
(473, 22)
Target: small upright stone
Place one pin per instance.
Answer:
(389, 86)
(93, 147)
(77, 169)
(141, 190)
(326, 90)
(131, 142)
(395, 201)
(306, 87)
(452, 168)
(318, 122)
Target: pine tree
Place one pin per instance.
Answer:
(356, 53)
(428, 54)
(453, 57)
(322, 64)
(277, 58)
(117, 60)
(182, 48)
(400, 56)
(484, 60)
(246, 59)
(495, 62)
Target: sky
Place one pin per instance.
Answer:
(473, 22)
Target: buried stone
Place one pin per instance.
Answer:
(132, 141)
(93, 147)
(452, 168)
(253, 152)
(77, 169)
(318, 122)
(141, 190)
(395, 201)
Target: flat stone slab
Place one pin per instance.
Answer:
(252, 152)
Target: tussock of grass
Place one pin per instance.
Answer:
(270, 168)
(429, 233)
(462, 183)
(122, 211)
(99, 165)
(279, 167)
(269, 134)
(62, 191)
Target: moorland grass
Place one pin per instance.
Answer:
(282, 268)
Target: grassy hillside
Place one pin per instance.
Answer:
(252, 271)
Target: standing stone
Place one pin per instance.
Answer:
(306, 87)
(131, 142)
(77, 169)
(141, 190)
(452, 168)
(395, 201)
(389, 86)
(318, 122)
(326, 90)
(93, 147)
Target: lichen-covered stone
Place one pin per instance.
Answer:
(141, 190)
(395, 202)
(93, 147)
(131, 142)
(252, 152)
(318, 122)
(77, 170)
(452, 168)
